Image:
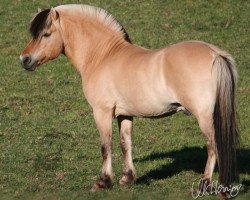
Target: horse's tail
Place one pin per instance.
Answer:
(224, 117)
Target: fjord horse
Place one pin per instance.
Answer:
(121, 80)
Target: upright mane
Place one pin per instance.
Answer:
(41, 20)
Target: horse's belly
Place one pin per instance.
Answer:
(144, 107)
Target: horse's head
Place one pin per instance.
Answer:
(46, 43)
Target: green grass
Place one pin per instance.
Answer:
(49, 146)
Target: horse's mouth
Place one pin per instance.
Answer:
(31, 66)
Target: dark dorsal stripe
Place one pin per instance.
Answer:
(39, 23)
(126, 35)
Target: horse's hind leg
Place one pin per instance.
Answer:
(125, 128)
(207, 128)
(103, 119)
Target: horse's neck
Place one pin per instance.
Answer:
(87, 48)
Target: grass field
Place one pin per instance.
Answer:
(49, 146)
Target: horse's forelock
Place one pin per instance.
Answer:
(39, 22)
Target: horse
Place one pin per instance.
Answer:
(122, 80)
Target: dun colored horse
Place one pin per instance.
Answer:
(121, 80)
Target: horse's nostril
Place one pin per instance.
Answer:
(28, 62)
(26, 59)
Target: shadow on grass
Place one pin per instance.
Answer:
(188, 158)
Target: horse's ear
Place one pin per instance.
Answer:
(54, 14)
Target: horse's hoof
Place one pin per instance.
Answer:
(205, 185)
(95, 188)
(105, 182)
(128, 178)
(224, 195)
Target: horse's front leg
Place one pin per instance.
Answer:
(125, 128)
(103, 119)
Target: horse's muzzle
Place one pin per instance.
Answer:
(28, 62)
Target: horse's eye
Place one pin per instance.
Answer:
(47, 34)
